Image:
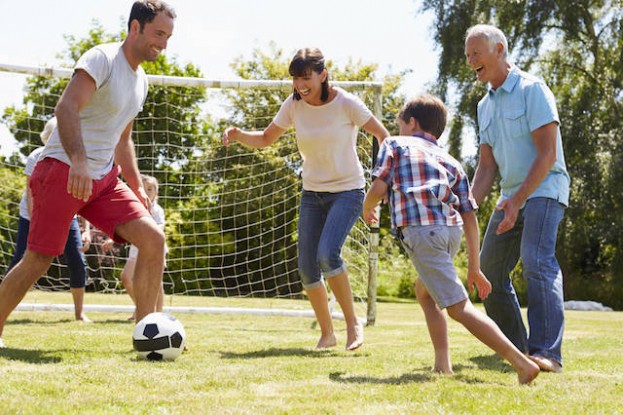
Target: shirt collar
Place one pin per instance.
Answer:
(426, 136)
(509, 83)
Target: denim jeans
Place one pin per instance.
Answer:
(325, 220)
(75, 260)
(533, 239)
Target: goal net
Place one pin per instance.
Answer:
(231, 212)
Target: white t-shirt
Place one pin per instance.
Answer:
(327, 140)
(120, 95)
(31, 162)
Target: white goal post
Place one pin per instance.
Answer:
(231, 212)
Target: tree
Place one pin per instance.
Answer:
(577, 48)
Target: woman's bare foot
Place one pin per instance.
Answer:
(327, 341)
(354, 339)
(82, 317)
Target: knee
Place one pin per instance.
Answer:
(329, 262)
(152, 241)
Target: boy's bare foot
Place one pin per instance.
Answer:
(327, 341)
(527, 372)
(545, 364)
(132, 317)
(354, 339)
(443, 367)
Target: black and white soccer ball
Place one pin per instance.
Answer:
(159, 336)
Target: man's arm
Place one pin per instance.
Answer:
(77, 94)
(545, 142)
(486, 172)
(125, 157)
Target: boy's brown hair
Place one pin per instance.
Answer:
(429, 111)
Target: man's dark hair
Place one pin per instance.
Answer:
(146, 10)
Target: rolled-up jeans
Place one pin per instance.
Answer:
(325, 220)
(533, 239)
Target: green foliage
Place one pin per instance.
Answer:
(14, 183)
(577, 48)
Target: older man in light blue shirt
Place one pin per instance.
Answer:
(520, 138)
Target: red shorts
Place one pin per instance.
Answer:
(112, 203)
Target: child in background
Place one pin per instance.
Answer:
(429, 200)
(150, 184)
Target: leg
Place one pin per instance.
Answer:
(544, 278)
(488, 332)
(437, 328)
(343, 294)
(18, 281)
(320, 303)
(77, 265)
(344, 210)
(311, 219)
(498, 257)
(23, 226)
(127, 278)
(149, 239)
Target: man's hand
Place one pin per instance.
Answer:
(511, 210)
(79, 183)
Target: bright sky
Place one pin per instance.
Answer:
(212, 33)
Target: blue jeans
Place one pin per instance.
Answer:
(533, 239)
(325, 220)
(75, 259)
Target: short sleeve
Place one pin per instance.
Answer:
(385, 163)
(540, 106)
(285, 117)
(31, 161)
(358, 111)
(158, 214)
(96, 64)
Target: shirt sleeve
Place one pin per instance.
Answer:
(96, 64)
(31, 161)
(285, 117)
(463, 191)
(540, 106)
(358, 111)
(385, 162)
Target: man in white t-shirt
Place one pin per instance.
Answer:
(75, 174)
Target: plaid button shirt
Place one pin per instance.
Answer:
(426, 186)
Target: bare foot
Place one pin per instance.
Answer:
(327, 341)
(545, 364)
(83, 318)
(132, 317)
(354, 338)
(527, 372)
(443, 367)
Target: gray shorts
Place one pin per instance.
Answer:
(431, 249)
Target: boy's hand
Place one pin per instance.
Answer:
(477, 279)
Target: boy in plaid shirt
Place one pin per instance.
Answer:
(430, 201)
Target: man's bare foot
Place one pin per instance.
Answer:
(527, 372)
(354, 339)
(545, 364)
(327, 341)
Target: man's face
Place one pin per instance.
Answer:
(483, 58)
(154, 36)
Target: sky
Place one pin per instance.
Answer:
(394, 34)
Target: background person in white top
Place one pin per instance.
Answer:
(75, 174)
(326, 120)
(77, 242)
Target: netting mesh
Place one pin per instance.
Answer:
(231, 212)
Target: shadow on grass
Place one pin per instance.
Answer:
(492, 362)
(422, 375)
(30, 356)
(277, 352)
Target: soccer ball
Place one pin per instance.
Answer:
(159, 336)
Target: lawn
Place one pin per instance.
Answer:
(239, 364)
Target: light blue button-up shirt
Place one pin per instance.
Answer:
(506, 117)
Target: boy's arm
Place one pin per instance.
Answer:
(375, 194)
(475, 277)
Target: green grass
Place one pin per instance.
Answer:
(267, 365)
